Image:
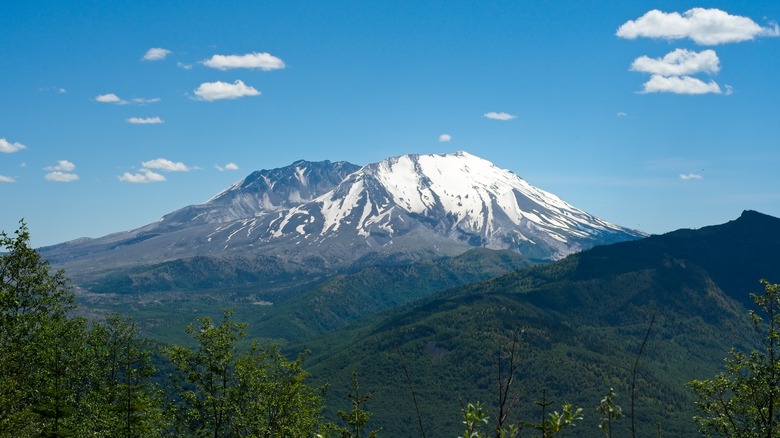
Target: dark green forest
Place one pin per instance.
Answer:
(508, 367)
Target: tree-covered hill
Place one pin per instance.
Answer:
(582, 321)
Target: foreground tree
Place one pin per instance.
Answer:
(41, 356)
(222, 393)
(744, 401)
(122, 399)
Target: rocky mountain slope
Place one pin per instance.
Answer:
(329, 215)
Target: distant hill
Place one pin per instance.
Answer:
(582, 321)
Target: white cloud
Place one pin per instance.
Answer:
(58, 90)
(7, 147)
(211, 91)
(262, 61)
(113, 98)
(61, 176)
(156, 54)
(445, 138)
(678, 63)
(143, 100)
(110, 98)
(143, 176)
(62, 165)
(184, 66)
(689, 176)
(499, 116)
(166, 165)
(680, 85)
(145, 120)
(6, 179)
(228, 166)
(621, 114)
(703, 26)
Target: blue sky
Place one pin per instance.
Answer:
(653, 115)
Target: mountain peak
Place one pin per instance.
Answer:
(336, 212)
(457, 196)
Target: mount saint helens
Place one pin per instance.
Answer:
(330, 215)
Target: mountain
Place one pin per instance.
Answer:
(581, 322)
(458, 196)
(184, 233)
(330, 215)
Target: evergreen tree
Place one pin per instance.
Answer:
(221, 393)
(40, 353)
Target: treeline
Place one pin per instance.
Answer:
(64, 376)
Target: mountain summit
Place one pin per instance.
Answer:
(331, 214)
(458, 196)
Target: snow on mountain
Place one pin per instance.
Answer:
(331, 214)
(457, 196)
(266, 191)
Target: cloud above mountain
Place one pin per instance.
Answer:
(147, 173)
(703, 26)
(211, 91)
(673, 73)
(681, 85)
(678, 63)
(166, 165)
(142, 176)
(260, 61)
(156, 54)
(113, 98)
(61, 172)
(145, 120)
(7, 147)
(499, 116)
(228, 166)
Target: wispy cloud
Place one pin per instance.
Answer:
(113, 98)
(228, 166)
(109, 98)
(262, 61)
(681, 85)
(143, 176)
(61, 172)
(445, 138)
(61, 177)
(58, 90)
(680, 62)
(144, 101)
(690, 176)
(499, 116)
(156, 54)
(6, 179)
(703, 26)
(166, 165)
(211, 91)
(7, 147)
(62, 165)
(145, 120)
(621, 114)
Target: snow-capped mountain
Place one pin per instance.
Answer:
(458, 196)
(331, 214)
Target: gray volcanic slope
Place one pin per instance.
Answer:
(330, 214)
